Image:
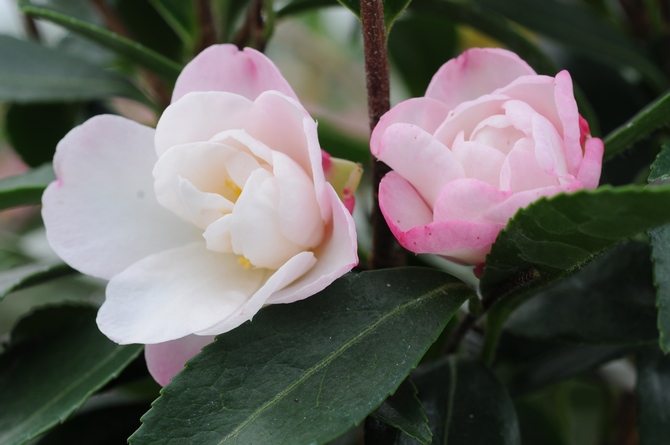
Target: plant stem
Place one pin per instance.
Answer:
(206, 26)
(252, 32)
(385, 249)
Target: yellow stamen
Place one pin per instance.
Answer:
(242, 261)
(233, 187)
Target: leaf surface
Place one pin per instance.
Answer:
(653, 381)
(308, 371)
(403, 410)
(25, 189)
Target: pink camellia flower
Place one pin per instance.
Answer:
(220, 210)
(490, 137)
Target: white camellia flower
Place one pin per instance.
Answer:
(220, 210)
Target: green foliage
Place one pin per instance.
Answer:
(33, 73)
(55, 360)
(129, 49)
(309, 371)
(653, 369)
(25, 189)
(180, 16)
(465, 404)
(404, 411)
(30, 275)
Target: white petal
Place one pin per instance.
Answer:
(176, 293)
(101, 215)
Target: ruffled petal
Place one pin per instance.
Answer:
(476, 72)
(425, 112)
(520, 171)
(165, 360)
(467, 116)
(549, 148)
(505, 210)
(479, 161)
(402, 206)
(101, 214)
(176, 293)
(225, 68)
(419, 158)
(569, 115)
(467, 199)
(589, 172)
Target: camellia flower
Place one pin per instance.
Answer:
(490, 137)
(220, 210)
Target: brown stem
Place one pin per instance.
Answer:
(113, 21)
(31, 28)
(252, 31)
(386, 252)
(206, 26)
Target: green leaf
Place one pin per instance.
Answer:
(25, 189)
(180, 15)
(411, 47)
(392, 9)
(553, 238)
(31, 275)
(56, 359)
(308, 371)
(54, 121)
(637, 127)
(653, 381)
(581, 31)
(403, 410)
(133, 51)
(32, 73)
(339, 144)
(465, 404)
(660, 251)
(610, 301)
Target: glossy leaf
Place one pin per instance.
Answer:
(637, 127)
(309, 371)
(660, 247)
(32, 73)
(392, 9)
(553, 238)
(55, 360)
(31, 275)
(581, 31)
(465, 404)
(403, 410)
(610, 301)
(25, 189)
(53, 120)
(653, 381)
(133, 51)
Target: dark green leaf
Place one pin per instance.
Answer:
(465, 404)
(642, 124)
(581, 31)
(53, 120)
(32, 73)
(653, 381)
(308, 371)
(25, 189)
(403, 410)
(31, 275)
(392, 9)
(133, 51)
(610, 301)
(553, 238)
(339, 144)
(660, 248)
(411, 46)
(56, 359)
(180, 15)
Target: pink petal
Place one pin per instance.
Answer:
(419, 158)
(476, 72)
(521, 171)
(401, 204)
(176, 293)
(467, 116)
(505, 210)
(549, 148)
(424, 112)
(336, 256)
(467, 199)
(497, 132)
(101, 215)
(224, 68)
(569, 115)
(479, 161)
(589, 172)
(165, 360)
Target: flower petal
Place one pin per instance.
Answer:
(165, 360)
(479, 161)
(569, 115)
(589, 172)
(101, 214)
(336, 255)
(175, 293)
(402, 206)
(224, 68)
(425, 112)
(476, 72)
(467, 199)
(520, 171)
(507, 209)
(419, 158)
